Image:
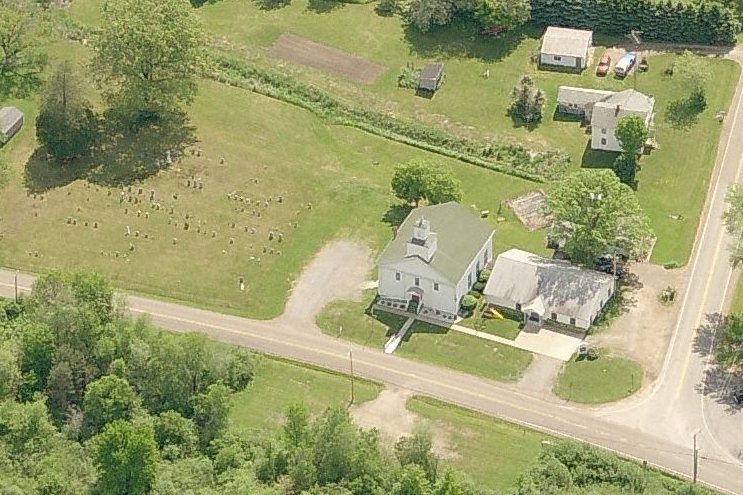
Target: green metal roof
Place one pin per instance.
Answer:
(461, 234)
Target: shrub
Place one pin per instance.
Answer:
(469, 302)
(475, 294)
(671, 265)
(479, 286)
(668, 295)
(505, 157)
(484, 275)
(408, 77)
(593, 353)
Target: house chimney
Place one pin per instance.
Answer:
(616, 110)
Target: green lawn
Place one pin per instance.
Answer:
(428, 343)
(279, 384)
(673, 179)
(451, 349)
(606, 379)
(736, 305)
(492, 452)
(280, 146)
(508, 329)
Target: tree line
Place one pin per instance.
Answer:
(93, 402)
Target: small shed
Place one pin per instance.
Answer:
(11, 121)
(431, 76)
(565, 48)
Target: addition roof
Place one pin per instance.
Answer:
(580, 96)
(548, 286)
(460, 236)
(566, 42)
(628, 102)
(430, 76)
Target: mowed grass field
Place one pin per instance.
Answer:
(606, 379)
(280, 158)
(673, 180)
(279, 384)
(425, 342)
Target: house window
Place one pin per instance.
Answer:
(518, 306)
(417, 282)
(557, 58)
(397, 276)
(572, 321)
(554, 316)
(486, 256)
(436, 286)
(603, 141)
(469, 279)
(603, 130)
(478, 266)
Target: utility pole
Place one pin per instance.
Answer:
(634, 35)
(15, 285)
(696, 460)
(350, 356)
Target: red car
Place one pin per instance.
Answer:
(604, 65)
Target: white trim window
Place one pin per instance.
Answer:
(436, 286)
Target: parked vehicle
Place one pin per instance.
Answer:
(738, 396)
(625, 64)
(604, 65)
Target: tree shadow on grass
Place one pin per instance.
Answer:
(123, 155)
(324, 6)
(421, 328)
(597, 158)
(396, 214)
(271, 4)
(682, 114)
(518, 122)
(462, 39)
(718, 383)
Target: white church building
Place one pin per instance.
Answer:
(435, 257)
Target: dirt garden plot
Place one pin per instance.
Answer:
(529, 209)
(302, 51)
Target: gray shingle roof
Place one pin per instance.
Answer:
(9, 118)
(557, 286)
(580, 96)
(460, 236)
(629, 101)
(566, 42)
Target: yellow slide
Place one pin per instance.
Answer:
(496, 314)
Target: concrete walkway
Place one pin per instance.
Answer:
(395, 340)
(544, 342)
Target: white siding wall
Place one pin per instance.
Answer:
(443, 299)
(462, 286)
(564, 61)
(612, 143)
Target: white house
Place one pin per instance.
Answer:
(434, 258)
(546, 290)
(604, 109)
(11, 121)
(563, 47)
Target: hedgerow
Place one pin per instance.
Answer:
(690, 23)
(512, 159)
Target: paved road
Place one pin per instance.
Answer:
(658, 426)
(284, 338)
(682, 402)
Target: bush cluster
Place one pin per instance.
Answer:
(508, 158)
(693, 23)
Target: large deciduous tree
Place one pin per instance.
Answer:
(20, 24)
(632, 133)
(508, 14)
(594, 213)
(692, 69)
(419, 179)
(147, 56)
(66, 122)
(108, 399)
(125, 454)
